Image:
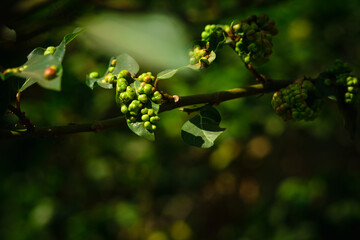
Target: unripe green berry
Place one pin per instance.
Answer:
(204, 35)
(236, 27)
(144, 111)
(147, 79)
(147, 125)
(193, 60)
(111, 69)
(122, 81)
(140, 90)
(151, 112)
(50, 50)
(121, 87)
(145, 117)
(148, 89)
(124, 74)
(124, 109)
(154, 119)
(143, 98)
(207, 28)
(113, 62)
(94, 75)
(351, 89)
(153, 127)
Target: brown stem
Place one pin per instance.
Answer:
(23, 120)
(259, 77)
(211, 98)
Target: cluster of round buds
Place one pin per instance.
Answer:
(208, 30)
(50, 50)
(198, 54)
(352, 89)
(254, 38)
(136, 102)
(298, 101)
(51, 72)
(110, 77)
(338, 76)
(147, 90)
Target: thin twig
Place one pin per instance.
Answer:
(211, 98)
(23, 120)
(259, 77)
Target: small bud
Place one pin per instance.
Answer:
(147, 125)
(148, 89)
(145, 117)
(113, 62)
(124, 74)
(147, 79)
(143, 98)
(50, 50)
(94, 75)
(236, 27)
(111, 69)
(150, 112)
(204, 35)
(50, 72)
(144, 111)
(154, 119)
(124, 109)
(208, 28)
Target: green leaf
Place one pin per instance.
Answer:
(35, 72)
(2, 76)
(39, 51)
(37, 63)
(203, 129)
(126, 62)
(168, 73)
(139, 129)
(27, 83)
(69, 37)
(60, 50)
(212, 57)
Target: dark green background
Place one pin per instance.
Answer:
(263, 179)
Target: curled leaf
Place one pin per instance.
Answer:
(203, 129)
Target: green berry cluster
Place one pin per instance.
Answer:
(339, 77)
(298, 101)
(352, 90)
(208, 30)
(198, 54)
(136, 101)
(254, 38)
(50, 50)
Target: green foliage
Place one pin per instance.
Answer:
(115, 185)
(36, 69)
(338, 84)
(203, 129)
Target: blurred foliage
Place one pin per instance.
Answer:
(263, 179)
